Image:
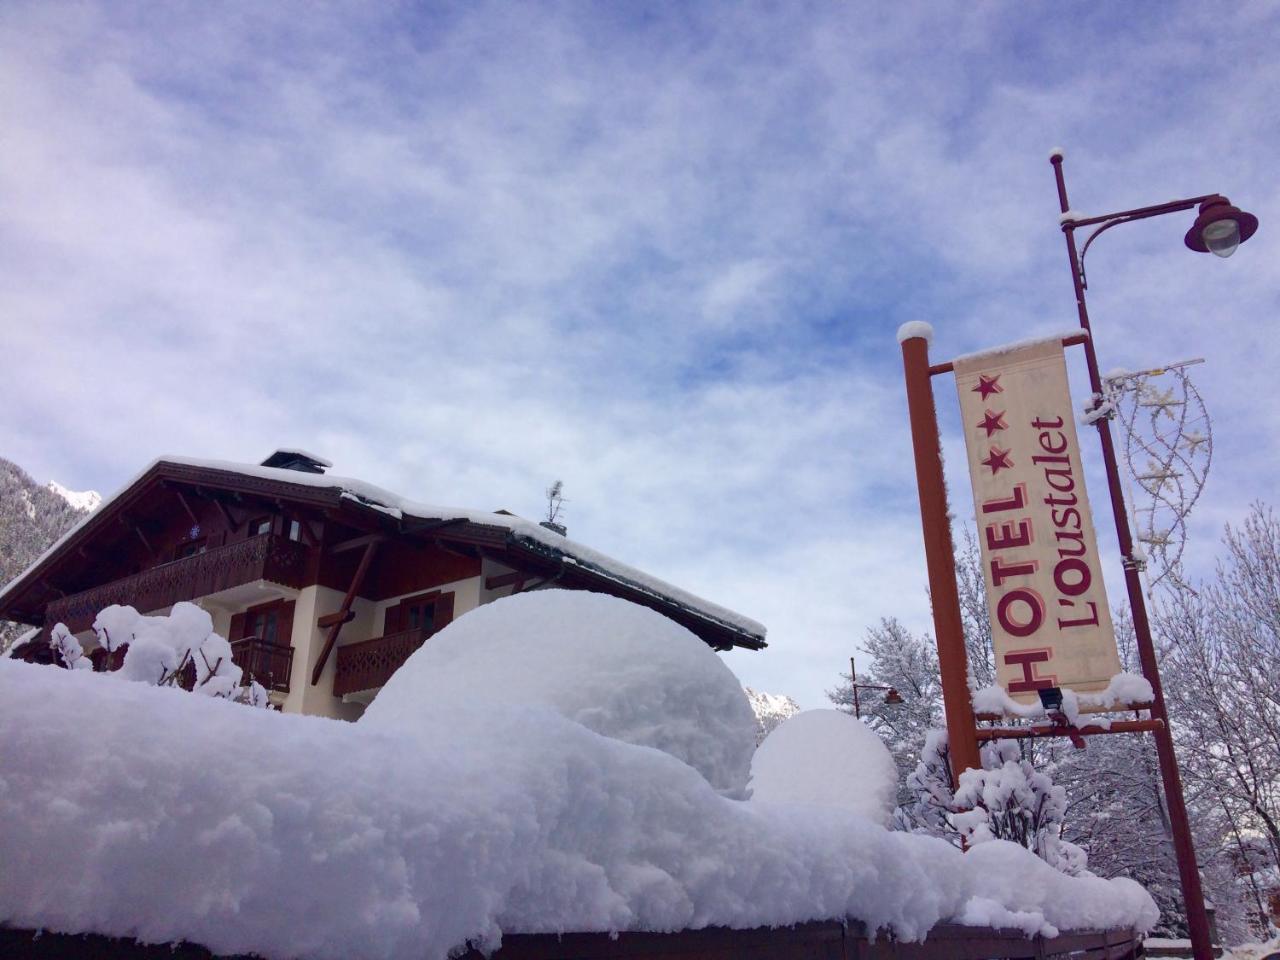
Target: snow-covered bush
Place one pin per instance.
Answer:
(1007, 799)
(826, 757)
(617, 668)
(177, 650)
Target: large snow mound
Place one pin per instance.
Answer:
(615, 667)
(826, 757)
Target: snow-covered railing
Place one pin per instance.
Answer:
(825, 940)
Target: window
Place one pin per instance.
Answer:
(190, 549)
(264, 624)
(259, 526)
(295, 530)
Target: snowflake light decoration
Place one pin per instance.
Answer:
(1168, 446)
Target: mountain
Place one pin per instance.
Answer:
(32, 517)
(83, 500)
(770, 710)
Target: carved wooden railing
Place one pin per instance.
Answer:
(264, 557)
(268, 663)
(370, 663)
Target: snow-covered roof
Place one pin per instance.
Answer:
(526, 533)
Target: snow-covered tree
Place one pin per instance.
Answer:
(1008, 799)
(908, 663)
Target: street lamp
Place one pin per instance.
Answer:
(1219, 229)
(892, 697)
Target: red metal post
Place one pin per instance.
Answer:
(939, 554)
(1180, 825)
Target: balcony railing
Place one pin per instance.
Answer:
(370, 663)
(268, 663)
(264, 557)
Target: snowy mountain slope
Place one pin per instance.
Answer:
(770, 710)
(83, 500)
(31, 518)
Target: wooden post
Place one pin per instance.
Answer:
(962, 740)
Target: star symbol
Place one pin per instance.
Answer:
(993, 422)
(997, 460)
(988, 385)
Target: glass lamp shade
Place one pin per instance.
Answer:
(1220, 228)
(1221, 237)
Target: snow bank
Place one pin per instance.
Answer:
(451, 817)
(617, 668)
(826, 757)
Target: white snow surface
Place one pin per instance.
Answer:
(80, 499)
(394, 505)
(617, 668)
(135, 810)
(826, 757)
(1018, 345)
(915, 328)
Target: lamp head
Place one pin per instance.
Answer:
(1220, 228)
(893, 697)
(1051, 698)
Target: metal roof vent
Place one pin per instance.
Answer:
(298, 460)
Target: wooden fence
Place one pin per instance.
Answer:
(809, 941)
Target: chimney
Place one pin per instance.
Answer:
(298, 460)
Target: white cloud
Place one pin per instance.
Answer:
(463, 253)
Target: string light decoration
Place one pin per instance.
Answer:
(1168, 447)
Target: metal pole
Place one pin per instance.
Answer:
(939, 554)
(853, 684)
(1180, 825)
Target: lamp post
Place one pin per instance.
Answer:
(1219, 229)
(891, 697)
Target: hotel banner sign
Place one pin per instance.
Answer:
(1050, 621)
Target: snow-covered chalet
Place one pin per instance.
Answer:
(323, 585)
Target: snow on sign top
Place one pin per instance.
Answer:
(394, 505)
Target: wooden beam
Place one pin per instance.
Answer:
(186, 504)
(143, 537)
(330, 641)
(355, 543)
(1090, 730)
(51, 588)
(502, 580)
(332, 619)
(226, 514)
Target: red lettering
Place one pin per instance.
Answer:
(1001, 571)
(1054, 448)
(1089, 621)
(1015, 502)
(1006, 537)
(1027, 660)
(1081, 569)
(1034, 613)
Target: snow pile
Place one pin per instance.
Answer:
(826, 757)
(144, 811)
(617, 668)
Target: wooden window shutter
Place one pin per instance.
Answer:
(444, 612)
(284, 625)
(392, 622)
(237, 627)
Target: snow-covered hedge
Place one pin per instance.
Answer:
(143, 811)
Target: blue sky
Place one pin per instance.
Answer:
(657, 251)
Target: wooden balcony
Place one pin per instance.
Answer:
(265, 557)
(370, 663)
(268, 663)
